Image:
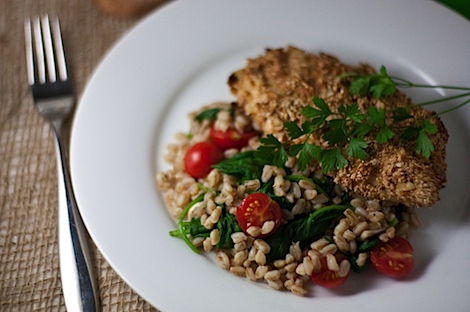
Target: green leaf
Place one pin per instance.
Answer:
(378, 84)
(383, 71)
(335, 133)
(265, 154)
(400, 114)
(317, 116)
(365, 246)
(429, 127)
(361, 130)
(357, 148)
(368, 245)
(304, 160)
(308, 127)
(307, 154)
(244, 166)
(209, 114)
(384, 135)
(376, 116)
(338, 123)
(196, 229)
(270, 140)
(332, 159)
(321, 104)
(280, 158)
(293, 130)
(381, 86)
(295, 149)
(410, 133)
(360, 86)
(227, 225)
(424, 145)
(352, 112)
(303, 230)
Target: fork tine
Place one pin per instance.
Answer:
(44, 51)
(48, 50)
(29, 51)
(39, 51)
(59, 49)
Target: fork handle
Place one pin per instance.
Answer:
(76, 269)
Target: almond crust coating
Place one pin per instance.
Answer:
(274, 87)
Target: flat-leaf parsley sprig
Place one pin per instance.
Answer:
(344, 131)
(382, 84)
(348, 131)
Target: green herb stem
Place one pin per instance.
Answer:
(454, 108)
(399, 82)
(182, 224)
(449, 98)
(313, 216)
(176, 233)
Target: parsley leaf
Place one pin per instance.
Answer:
(400, 114)
(281, 157)
(308, 152)
(384, 135)
(344, 131)
(332, 159)
(360, 86)
(272, 151)
(293, 130)
(376, 116)
(357, 148)
(352, 112)
(410, 133)
(336, 131)
(378, 84)
(429, 127)
(424, 145)
(317, 116)
(382, 84)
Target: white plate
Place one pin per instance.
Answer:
(178, 59)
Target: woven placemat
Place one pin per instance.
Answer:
(29, 267)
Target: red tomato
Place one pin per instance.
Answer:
(327, 278)
(200, 157)
(255, 210)
(393, 258)
(230, 138)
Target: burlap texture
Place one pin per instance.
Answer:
(29, 267)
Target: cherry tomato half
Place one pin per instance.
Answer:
(327, 278)
(393, 258)
(255, 210)
(230, 138)
(200, 157)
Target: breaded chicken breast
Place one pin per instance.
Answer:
(274, 87)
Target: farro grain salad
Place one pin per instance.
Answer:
(313, 172)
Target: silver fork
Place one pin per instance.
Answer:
(54, 99)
